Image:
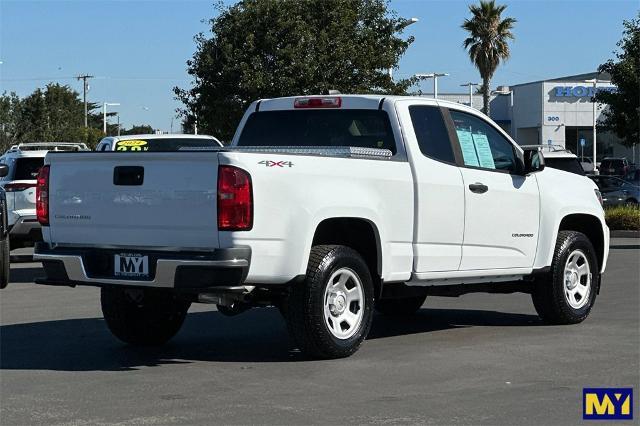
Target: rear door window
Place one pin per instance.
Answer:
(27, 168)
(431, 132)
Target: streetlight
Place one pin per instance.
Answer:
(401, 26)
(595, 82)
(104, 114)
(470, 84)
(434, 76)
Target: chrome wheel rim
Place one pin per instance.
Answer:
(343, 303)
(577, 279)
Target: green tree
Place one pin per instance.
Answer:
(623, 113)
(10, 117)
(138, 129)
(487, 43)
(52, 114)
(270, 48)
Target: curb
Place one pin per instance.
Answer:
(624, 234)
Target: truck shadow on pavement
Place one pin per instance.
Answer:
(258, 335)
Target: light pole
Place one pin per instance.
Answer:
(401, 26)
(595, 82)
(470, 84)
(104, 114)
(434, 76)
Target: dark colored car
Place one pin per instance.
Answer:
(616, 191)
(4, 233)
(614, 167)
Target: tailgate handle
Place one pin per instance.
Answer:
(128, 175)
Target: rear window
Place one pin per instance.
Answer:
(611, 163)
(27, 168)
(163, 145)
(571, 165)
(363, 128)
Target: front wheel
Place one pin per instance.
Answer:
(567, 293)
(330, 313)
(142, 317)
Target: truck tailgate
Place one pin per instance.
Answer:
(155, 200)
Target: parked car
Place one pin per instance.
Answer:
(328, 207)
(587, 165)
(154, 143)
(560, 158)
(633, 177)
(616, 191)
(614, 167)
(4, 234)
(24, 161)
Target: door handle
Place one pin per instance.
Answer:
(478, 188)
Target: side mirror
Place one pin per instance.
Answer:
(4, 170)
(533, 160)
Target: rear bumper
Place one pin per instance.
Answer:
(216, 269)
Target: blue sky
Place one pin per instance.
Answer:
(138, 49)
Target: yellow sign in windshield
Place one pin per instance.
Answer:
(132, 145)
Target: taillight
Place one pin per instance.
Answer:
(235, 201)
(42, 196)
(317, 102)
(17, 187)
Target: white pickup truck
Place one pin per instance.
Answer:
(328, 207)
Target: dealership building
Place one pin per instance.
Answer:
(556, 111)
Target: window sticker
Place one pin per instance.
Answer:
(132, 145)
(484, 151)
(468, 148)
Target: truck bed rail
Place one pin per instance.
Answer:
(321, 151)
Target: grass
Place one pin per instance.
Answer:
(623, 218)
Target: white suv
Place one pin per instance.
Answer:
(24, 161)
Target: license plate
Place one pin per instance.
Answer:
(131, 265)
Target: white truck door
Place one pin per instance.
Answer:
(502, 208)
(438, 188)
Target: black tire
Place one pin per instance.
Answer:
(5, 262)
(400, 307)
(304, 311)
(549, 291)
(151, 317)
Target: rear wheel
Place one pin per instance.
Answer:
(400, 307)
(330, 313)
(142, 317)
(567, 294)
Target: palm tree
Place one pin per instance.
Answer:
(487, 42)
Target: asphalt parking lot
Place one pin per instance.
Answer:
(478, 359)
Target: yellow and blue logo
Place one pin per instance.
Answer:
(607, 403)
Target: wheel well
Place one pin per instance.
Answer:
(589, 226)
(359, 234)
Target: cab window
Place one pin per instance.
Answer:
(482, 146)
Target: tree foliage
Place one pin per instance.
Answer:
(488, 41)
(53, 114)
(271, 48)
(623, 113)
